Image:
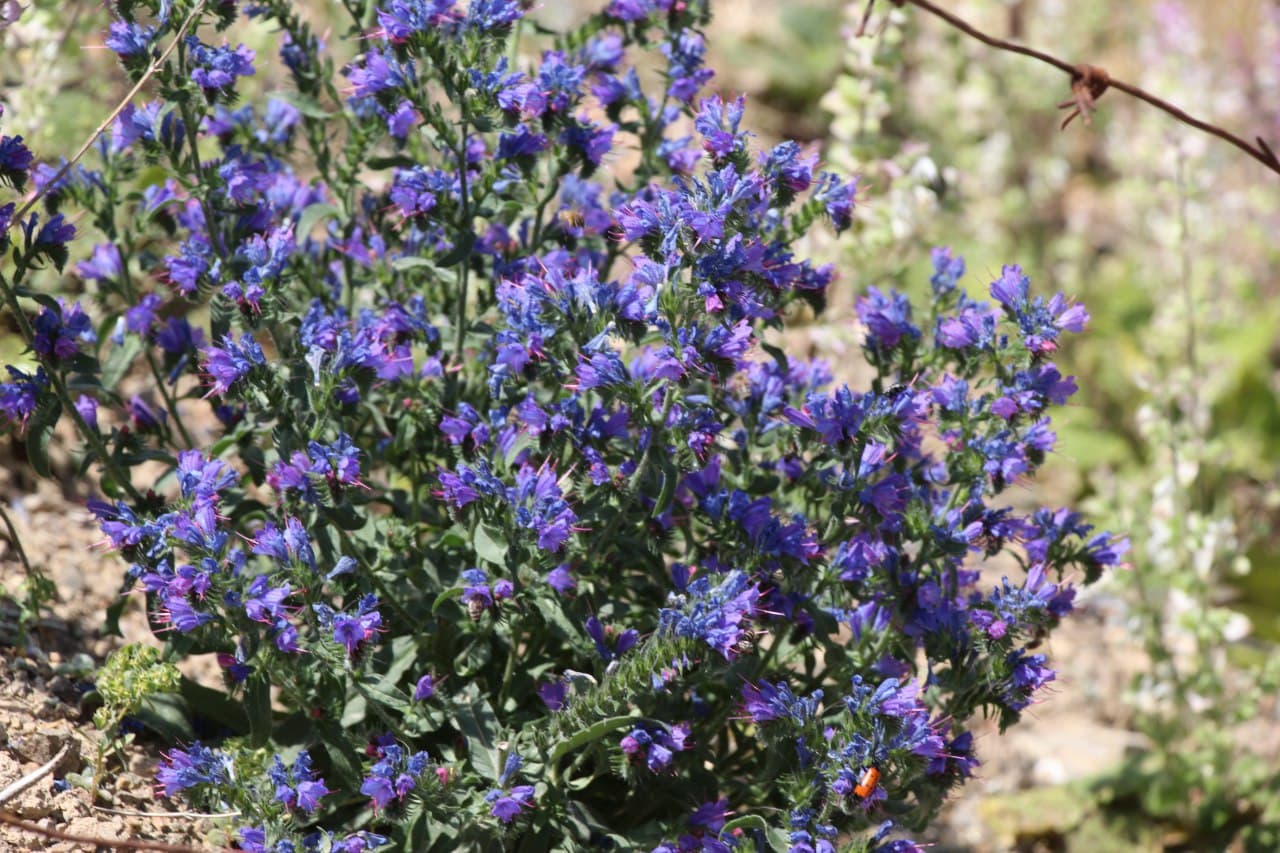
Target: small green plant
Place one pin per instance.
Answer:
(130, 676)
(36, 591)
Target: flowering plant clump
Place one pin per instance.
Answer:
(503, 519)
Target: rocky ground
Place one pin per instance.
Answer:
(45, 675)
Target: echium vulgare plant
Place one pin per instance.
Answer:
(475, 472)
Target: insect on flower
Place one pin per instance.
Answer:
(868, 784)
(745, 644)
(475, 609)
(571, 218)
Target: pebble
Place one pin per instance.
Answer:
(1048, 772)
(39, 746)
(80, 665)
(33, 804)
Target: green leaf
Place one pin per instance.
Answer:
(44, 299)
(304, 104)
(337, 745)
(312, 214)
(345, 517)
(523, 442)
(777, 838)
(257, 705)
(766, 485)
(354, 712)
(168, 715)
(472, 659)
(404, 653)
(480, 726)
(214, 704)
(220, 446)
(452, 592)
(39, 431)
(778, 355)
(460, 251)
(111, 624)
(670, 476)
(746, 822)
(119, 361)
(591, 733)
(391, 697)
(553, 614)
(390, 162)
(410, 262)
(491, 545)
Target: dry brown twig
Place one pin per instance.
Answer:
(90, 842)
(164, 815)
(115, 113)
(1089, 82)
(34, 776)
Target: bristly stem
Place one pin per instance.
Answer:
(60, 388)
(17, 542)
(464, 264)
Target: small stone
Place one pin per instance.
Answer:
(24, 665)
(133, 795)
(71, 581)
(50, 709)
(33, 803)
(40, 746)
(1048, 772)
(79, 666)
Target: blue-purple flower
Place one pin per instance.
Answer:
(297, 786)
(15, 162)
(394, 775)
(59, 334)
(216, 68)
(718, 615)
(197, 765)
(228, 364)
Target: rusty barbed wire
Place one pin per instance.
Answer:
(1089, 82)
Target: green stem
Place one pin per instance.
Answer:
(90, 436)
(464, 265)
(643, 466)
(169, 402)
(513, 52)
(553, 187)
(386, 595)
(17, 543)
(638, 475)
(509, 670)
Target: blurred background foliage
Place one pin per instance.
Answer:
(1170, 237)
